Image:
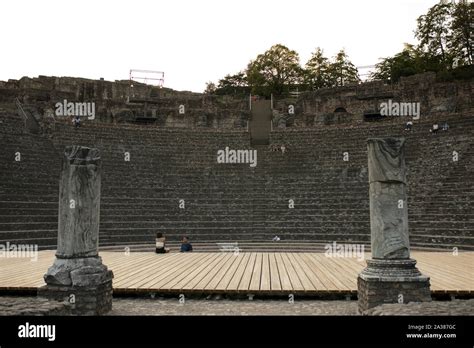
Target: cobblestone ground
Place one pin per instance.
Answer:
(231, 307)
(10, 305)
(456, 307)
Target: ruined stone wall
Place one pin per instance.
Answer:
(350, 103)
(119, 101)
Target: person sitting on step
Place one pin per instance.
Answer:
(76, 121)
(185, 245)
(160, 244)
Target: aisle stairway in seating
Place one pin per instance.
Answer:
(260, 122)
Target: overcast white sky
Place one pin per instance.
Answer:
(192, 41)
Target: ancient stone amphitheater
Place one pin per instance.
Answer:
(160, 173)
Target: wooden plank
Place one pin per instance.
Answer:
(275, 283)
(328, 274)
(347, 279)
(41, 255)
(224, 283)
(26, 281)
(443, 272)
(174, 278)
(307, 285)
(256, 273)
(24, 268)
(339, 277)
(130, 265)
(25, 274)
(452, 265)
(216, 262)
(439, 272)
(120, 260)
(8, 262)
(35, 280)
(325, 279)
(283, 273)
(354, 265)
(441, 279)
(292, 274)
(246, 279)
(238, 275)
(265, 277)
(348, 276)
(219, 275)
(133, 263)
(168, 271)
(19, 262)
(144, 269)
(110, 258)
(312, 272)
(203, 283)
(200, 266)
(248, 272)
(446, 266)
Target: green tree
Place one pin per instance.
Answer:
(274, 71)
(210, 88)
(233, 84)
(408, 62)
(445, 37)
(316, 72)
(462, 27)
(342, 71)
(434, 33)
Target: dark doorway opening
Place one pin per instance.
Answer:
(373, 116)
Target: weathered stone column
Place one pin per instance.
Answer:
(78, 275)
(391, 276)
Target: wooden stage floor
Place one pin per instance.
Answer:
(245, 273)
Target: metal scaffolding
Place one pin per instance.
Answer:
(149, 77)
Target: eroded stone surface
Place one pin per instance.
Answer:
(77, 273)
(62, 270)
(388, 201)
(79, 203)
(391, 276)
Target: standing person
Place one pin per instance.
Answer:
(160, 244)
(185, 245)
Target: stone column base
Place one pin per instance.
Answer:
(391, 281)
(81, 300)
(84, 283)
